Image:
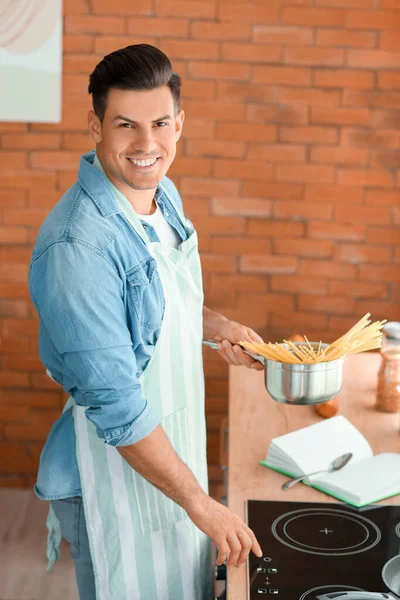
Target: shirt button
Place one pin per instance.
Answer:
(166, 214)
(144, 226)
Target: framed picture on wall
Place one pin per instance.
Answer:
(30, 60)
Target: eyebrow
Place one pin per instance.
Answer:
(128, 120)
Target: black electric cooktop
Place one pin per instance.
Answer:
(310, 548)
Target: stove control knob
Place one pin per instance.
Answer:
(271, 591)
(220, 572)
(262, 591)
(272, 570)
(267, 559)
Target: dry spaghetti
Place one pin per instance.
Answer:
(360, 338)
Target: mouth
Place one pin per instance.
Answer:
(144, 164)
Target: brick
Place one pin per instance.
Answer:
(75, 7)
(245, 207)
(299, 320)
(220, 225)
(14, 290)
(346, 78)
(305, 173)
(370, 138)
(326, 135)
(14, 308)
(373, 215)
(371, 98)
(296, 284)
(301, 247)
(275, 303)
(29, 141)
(239, 283)
(387, 80)
(277, 34)
(200, 9)
(14, 198)
(245, 169)
(388, 159)
(249, 13)
(384, 236)
(397, 258)
(77, 44)
(302, 210)
(190, 49)
(46, 160)
(380, 310)
(214, 109)
(396, 215)
(125, 7)
(260, 53)
(276, 152)
(210, 30)
(339, 155)
(340, 116)
(13, 272)
(294, 15)
(275, 228)
(13, 379)
(373, 178)
(267, 189)
(282, 75)
(257, 263)
(7, 126)
(240, 246)
(77, 141)
(361, 253)
(93, 24)
(10, 345)
(383, 273)
(80, 63)
(358, 289)
(23, 327)
(66, 179)
(389, 3)
(158, 27)
(314, 56)
(104, 44)
(240, 91)
(217, 263)
(275, 113)
(347, 3)
(313, 96)
(326, 268)
(215, 148)
(27, 179)
(336, 231)
(386, 119)
(343, 37)
(383, 197)
(246, 131)
(28, 362)
(219, 70)
(28, 216)
(199, 129)
(13, 160)
(197, 206)
(372, 19)
(389, 40)
(199, 89)
(195, 167)
(373, 59)
(15, 459)
(43, 198)
(208, 187)
(332, 304)
(13, 235)
(28, 398)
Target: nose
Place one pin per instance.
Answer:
(145, 143)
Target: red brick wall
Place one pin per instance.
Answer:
(288, 167)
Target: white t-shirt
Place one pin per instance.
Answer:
(166, 233)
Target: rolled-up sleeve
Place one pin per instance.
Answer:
(78, 294)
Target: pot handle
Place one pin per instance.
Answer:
(356, 596)
(214, 345)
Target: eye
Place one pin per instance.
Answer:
(126, 125)
(161, 124)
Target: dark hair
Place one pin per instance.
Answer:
(137, 67)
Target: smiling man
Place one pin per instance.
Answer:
(115, 276)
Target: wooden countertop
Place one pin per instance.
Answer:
(254, 418)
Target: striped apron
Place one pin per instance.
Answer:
(143, 545)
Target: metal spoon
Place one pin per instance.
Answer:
(335, 465)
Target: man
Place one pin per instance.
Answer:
(116, 279)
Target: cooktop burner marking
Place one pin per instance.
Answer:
(397, 530)
(370, 533)
(328, 589)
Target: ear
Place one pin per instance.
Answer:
(180, 117)
(94, 125)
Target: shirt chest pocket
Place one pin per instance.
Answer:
(145, 293)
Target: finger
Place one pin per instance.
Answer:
(255, 546)
(228, 349)
(223, 354)
(223, 552)
(235, 548)
(246, 360)
(254, 337)
(247, 543)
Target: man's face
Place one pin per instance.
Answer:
(136, 142)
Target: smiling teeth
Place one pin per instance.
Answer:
(143, 163)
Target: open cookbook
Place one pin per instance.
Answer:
(364, 480)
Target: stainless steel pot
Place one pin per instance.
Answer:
(300, 384)
(391, 578)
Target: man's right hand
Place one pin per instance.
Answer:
(230, 534)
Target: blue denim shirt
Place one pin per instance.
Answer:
(100, 302)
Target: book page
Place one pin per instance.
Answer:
(365, 481)
(314, 447)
